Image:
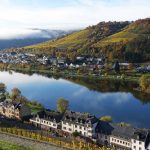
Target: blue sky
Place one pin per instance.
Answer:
(67, 14)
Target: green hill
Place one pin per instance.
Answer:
(115, 40)
(131, 44)
(79, 42)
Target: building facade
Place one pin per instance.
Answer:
(122, 137)
(47, 120)
(82, 123)
(14, 110)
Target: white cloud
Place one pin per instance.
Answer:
(81, 14)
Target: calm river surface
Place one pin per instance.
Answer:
(122, 106)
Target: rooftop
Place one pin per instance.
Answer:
(77, 117)
(125, 132)
(49, 115)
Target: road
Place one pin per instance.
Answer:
(28, 143)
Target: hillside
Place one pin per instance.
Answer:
(126, 41)
(131, 44)
(79, 42)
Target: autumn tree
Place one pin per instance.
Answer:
(106, 119)
(145, 82)
(62, 105)
(2, 88)
(2, 92)
(15, 93)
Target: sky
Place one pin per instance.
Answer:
(23, 15)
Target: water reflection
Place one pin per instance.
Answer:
(99, 98)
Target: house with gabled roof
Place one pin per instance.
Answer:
(122, 137)
(83, 123)
(14, 110)
(47, 119)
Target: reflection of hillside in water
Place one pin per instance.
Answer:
(112, 86)
(103, 85)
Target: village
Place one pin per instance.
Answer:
(78, 124)
(83, 61)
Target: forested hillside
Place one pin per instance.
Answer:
(78, 42)
(126, 41)
(131, 44)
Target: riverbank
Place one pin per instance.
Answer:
(109, 74)
(68, 74)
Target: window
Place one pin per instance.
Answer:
(140, 143)
(134, 141)
(70, 129)
(89, 125)
(140, 148)
(54, 125)
(75, 126)
(80, 127)
(120, 141)
(134, 147)
(64, 128)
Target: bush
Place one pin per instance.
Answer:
(75, 134)
(106, 119)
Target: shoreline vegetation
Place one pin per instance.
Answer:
(16, 95)
(138, 78)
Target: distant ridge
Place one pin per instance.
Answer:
(36, 36)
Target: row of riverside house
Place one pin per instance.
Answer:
(108, 134)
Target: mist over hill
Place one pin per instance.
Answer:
(19, 38)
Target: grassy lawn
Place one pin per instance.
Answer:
(9, 146)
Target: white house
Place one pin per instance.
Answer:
(122, 137)
(141, 140)
(82, 123)
(47, 119)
